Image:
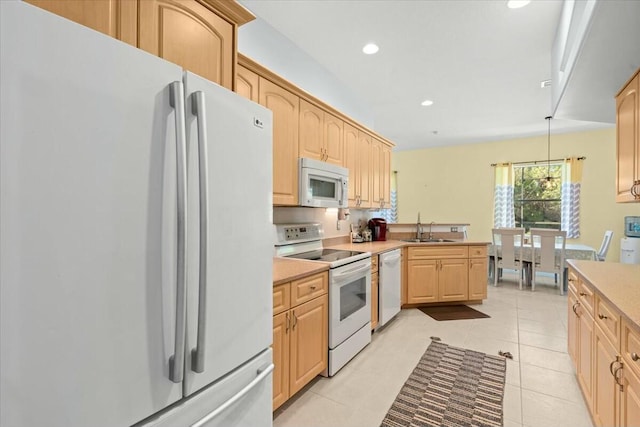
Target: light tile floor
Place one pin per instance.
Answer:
(541, 387)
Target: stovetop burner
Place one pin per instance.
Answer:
(327, 255)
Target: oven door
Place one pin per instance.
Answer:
(349, 300)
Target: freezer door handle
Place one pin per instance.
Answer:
(198, 107)
(262, 374)
(176, 362)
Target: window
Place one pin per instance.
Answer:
(535, 205)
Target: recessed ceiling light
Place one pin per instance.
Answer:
(426, 103)
(370, 48)
(517, 4)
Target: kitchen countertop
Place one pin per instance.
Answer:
(387, 245)
(617, 283)
(286, 270)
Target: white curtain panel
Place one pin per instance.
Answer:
(571, 177)
(503, 211)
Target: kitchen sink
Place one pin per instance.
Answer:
(427, 240)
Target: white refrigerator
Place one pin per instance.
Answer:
(135, 236)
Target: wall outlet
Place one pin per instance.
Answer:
(454, 229)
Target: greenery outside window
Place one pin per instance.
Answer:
(535, 204)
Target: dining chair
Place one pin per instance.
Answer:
(604, 247)
(548, 255)
(510, 241)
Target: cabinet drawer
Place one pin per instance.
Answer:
(608, 319)
(308, 288)
(374, 263)
(573, 282)
(477, 251)
(586, 296)
(630, 345)
(281, 298)
(434, 252)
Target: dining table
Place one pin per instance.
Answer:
(571, 251)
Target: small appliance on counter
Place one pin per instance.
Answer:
(378, 227)
(632, 226)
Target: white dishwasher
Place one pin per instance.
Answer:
(388, 286)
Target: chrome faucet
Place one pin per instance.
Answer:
(430, 233)
(418, 232)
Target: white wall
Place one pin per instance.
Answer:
(268, 47)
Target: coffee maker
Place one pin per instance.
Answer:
(378, 227)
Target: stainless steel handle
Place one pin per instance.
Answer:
(295, 321)
(574, 308)
(176, 362)
(263, 373)
(199, 110)
(634, 357)
(602, 316)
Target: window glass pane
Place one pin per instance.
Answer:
(537, 201)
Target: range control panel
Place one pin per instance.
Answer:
(293, 233)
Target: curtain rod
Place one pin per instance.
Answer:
(535, 162)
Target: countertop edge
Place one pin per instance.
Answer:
(588, 271)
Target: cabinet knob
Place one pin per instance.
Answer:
(582, 294)
(602, 316)
(634, 357)
(312, 287)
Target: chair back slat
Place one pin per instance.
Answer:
(604, 247)
(544, 247)
(509, 240)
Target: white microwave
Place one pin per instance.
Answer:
(323, 185)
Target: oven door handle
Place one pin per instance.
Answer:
(351, 272)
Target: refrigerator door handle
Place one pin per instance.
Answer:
(176, 362)
(198, 107)
(262, 374)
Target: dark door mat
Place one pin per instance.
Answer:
(452, 312)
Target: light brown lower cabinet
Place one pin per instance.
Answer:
(300, 334)
(446, 273)
(602, 349)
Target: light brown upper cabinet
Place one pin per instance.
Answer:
(628, 141)
(321, 135)
(364, 159)
(380, 174)
(115, 18)
(285, 107)
(189, 34)
(247, 84)
(385, 176)
(198, 35)
(357, 158)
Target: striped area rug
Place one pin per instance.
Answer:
(451, 386)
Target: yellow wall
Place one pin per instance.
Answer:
(455, 184)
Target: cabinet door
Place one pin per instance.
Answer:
(478, 278)
(333, 140)
(188, 34)
(309, 347)
(453, 280)
(284, 106)
(247, 83)
(572, 326)
(585, 356)
(115, 18)
(311, 131)
(605, 389)
(280, 359)
(374, 300)
(627, 130)
(376, 178)
(386, 176)
(630, 399)
(351, 152)
(422, 281)
(364, 166)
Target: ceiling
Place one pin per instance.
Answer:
(480, 62)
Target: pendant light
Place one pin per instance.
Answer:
(548, 182)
